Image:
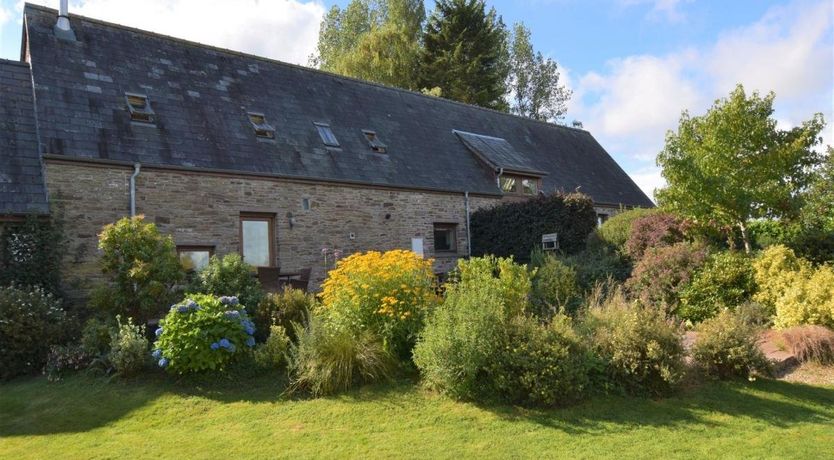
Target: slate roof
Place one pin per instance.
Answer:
(22, 188)
(498, 153)
(201, 95)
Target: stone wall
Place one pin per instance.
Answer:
(204, 209)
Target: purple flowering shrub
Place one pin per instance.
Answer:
(654, 231)
(663, 273)
(203, 332)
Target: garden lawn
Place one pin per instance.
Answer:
(154, 417)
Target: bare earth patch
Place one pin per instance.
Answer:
(811, 374)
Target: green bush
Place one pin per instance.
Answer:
(272, 354)
(283, 308)
(64, 359)
(128, 348)
(637, 349)
(655, 230)
(461, 338)
(725, 281)
(515, 228)
(230, 276)
(727, 346)
(95, 336)
(31, 252)
(540, 364)
(203, 332)
(143, 268)
(594, 266)
(615, 231)
(327, 360)
(31, 320)
(661, 275)
(554, 288)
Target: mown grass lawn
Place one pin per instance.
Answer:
(85, 417)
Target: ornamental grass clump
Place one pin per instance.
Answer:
(810, 343)
(385, 293)
(203, 332)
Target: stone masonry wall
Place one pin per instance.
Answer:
(204, 209)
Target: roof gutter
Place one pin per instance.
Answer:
(136, 168)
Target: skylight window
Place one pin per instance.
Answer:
(327, 135)
(263, 129)
(140, 108)
(374, 142)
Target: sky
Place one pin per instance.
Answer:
(633, 65)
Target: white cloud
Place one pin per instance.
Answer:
(648, 179)
(278, 29)
(5, 15)
(668, 10)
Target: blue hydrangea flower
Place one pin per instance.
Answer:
(192, 305)
(215, 346)
(183, 309)
(250, 342)
(224, 342)
(232, 314)
(157, 353)
(232, 347)
(158, 331)
(163, 362)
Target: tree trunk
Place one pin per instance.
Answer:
(744, 237)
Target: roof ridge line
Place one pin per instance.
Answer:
(295, 66)
(14, 62)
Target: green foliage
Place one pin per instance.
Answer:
(128, 348)
(202, 333)
(143, 268)
(534, 81)
(818, 210)
(555, 287)
(272, 354)
(327, 360)
(775, 269)
(598, 265)
(732, 164)
(639, 351)
(615, 231)
(516, 228)
(725, 281)
(661, 275)
(31, 320)
(283, 309)
(31, 253)
(63, 359)
(465, 54)
(540, 364)
(727, 347)
(655, 230)
(229, 276)
(95, 336)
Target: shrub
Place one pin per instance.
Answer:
(387, 294)
(143, 268)
(655, 230)
(95, 336)
(327, 360)
(203, 332)
(128, 348)
(63, 359)
(515, 228)
(727, 347)
(638, 350)
(598, 265)
(663, 272)
(775, 269)
(615, 231)
(540, 364)
(811, 343)
(230, 276)
(272, 354)
(462, 336)
(283, 308)
(554, 287)
(31, 320)
(725, 281)
(31, 253)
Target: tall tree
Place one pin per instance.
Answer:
(373, 40)
(534, 84)
(465, 53)
(733, 164)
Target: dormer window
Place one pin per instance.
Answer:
(326, 134)
(140, 108)
(374, 142)
(263, 130)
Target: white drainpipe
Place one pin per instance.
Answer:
(136, 168)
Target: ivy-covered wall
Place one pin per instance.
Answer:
(31, 252)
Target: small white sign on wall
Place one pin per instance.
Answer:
(417, 246)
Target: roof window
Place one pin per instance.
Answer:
(326, 134)
(140, 108)
(263, 129)
(374, 142)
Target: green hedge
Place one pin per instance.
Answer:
(516, 228)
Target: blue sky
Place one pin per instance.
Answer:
(633, 65)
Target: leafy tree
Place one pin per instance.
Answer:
(373, 40)
(818, 209)
(534, 81)
(732, 164)
(465, 53)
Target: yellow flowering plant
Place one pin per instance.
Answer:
(386, 293)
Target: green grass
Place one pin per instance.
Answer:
(155, 417)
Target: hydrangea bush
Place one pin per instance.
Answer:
(203, 332)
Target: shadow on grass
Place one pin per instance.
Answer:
(82, 403)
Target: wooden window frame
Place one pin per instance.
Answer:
(453, 226)
(195, 248)
(259, 217)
